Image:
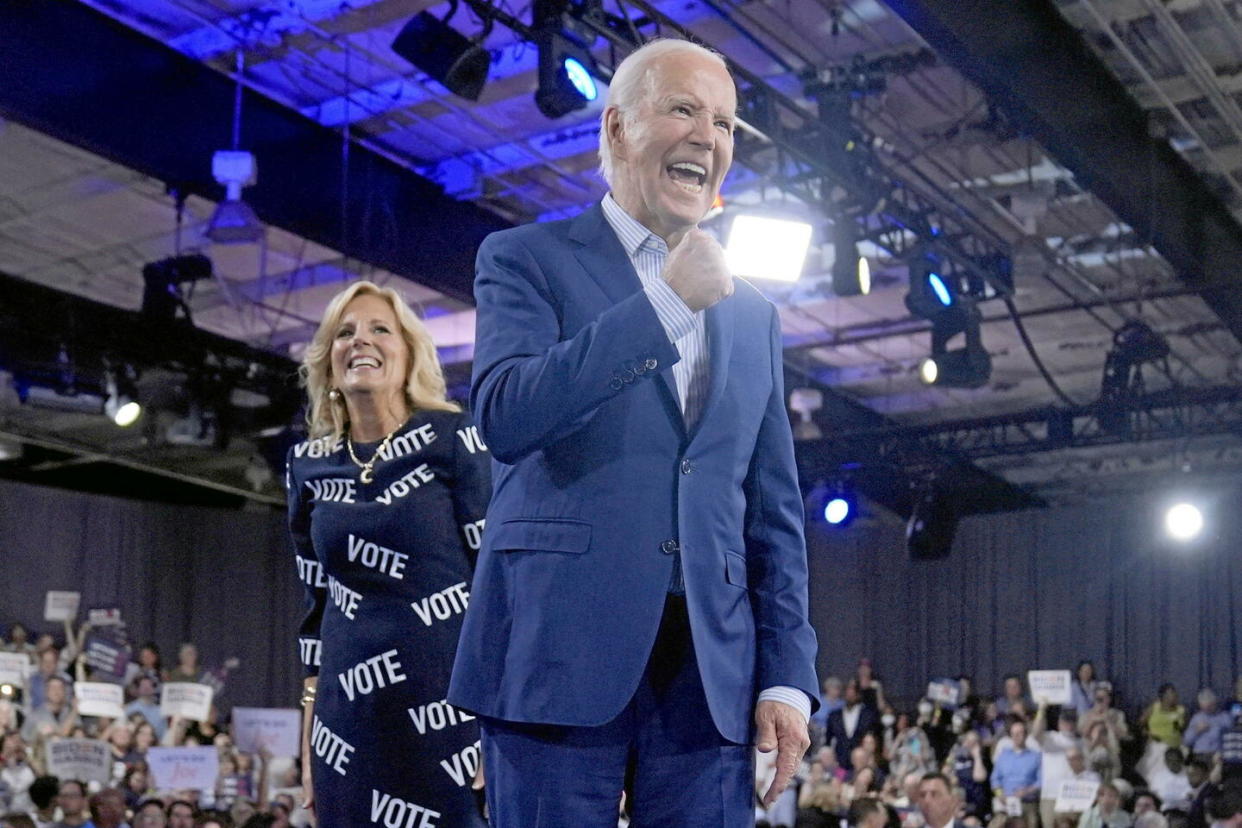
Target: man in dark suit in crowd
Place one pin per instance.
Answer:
(847, 725)
(937, 803)
(638, 616)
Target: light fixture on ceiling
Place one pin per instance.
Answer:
(121, 404)
(1183, 521)
(932, 290)
(445, 54)
(932, 524)
(162, 296)
(969, 366)
(805, 402)
(566, 69)
(1135, 344)
(233, 221)
(851, 272)
(767, 247)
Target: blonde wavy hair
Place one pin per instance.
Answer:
(424, 387)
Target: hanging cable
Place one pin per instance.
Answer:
(1030, 349)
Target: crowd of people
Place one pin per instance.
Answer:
(1005, 759)
(252, 790)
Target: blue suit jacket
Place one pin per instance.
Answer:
(596, 477)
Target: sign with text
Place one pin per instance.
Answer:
(1076, 796)
(98, 698)
(61, 606)
(1052, 686)
(107, 654)
(183, 768)
(109, 617)
(85, 759)
(189, 701)
(276, 729)
(13, 668)
(944, 692)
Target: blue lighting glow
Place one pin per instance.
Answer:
(581, 79)
(940, 289)
(837, 510)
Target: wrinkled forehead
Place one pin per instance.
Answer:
(698, 77)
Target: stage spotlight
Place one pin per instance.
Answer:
(932, 525)
(837, 510)
(931, 289)
(1183, 521)
(969, 366)
(566, 75)
(234, 222)
(851, 273)
(445, 54)
(805, 402)
(766, 247)
(161, 293)
(121, 404)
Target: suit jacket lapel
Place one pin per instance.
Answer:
(602, 256)
(719, 323)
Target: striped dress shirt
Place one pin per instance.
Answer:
(688, 333)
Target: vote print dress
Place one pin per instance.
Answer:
(387, 567)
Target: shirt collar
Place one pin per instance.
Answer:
(632, 233)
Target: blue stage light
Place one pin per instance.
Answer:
(581, 78)
(940, 289)
(837, 510)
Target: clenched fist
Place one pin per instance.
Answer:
(696, 270)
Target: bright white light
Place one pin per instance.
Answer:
(127, 414)
(1183, 521)
(864, 275)
(928, 371)
(761, 247)
(837, 510)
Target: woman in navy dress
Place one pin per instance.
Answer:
(386, 505)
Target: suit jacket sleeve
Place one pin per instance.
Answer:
(776, 547)
(532, 385)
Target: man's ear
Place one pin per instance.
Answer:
(614, 131)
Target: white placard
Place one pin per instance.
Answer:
(944, 692)
(99, 698)
(13, 668)
(1076, 796)
(277, 729)
(1052, 686)
(104, 617)
(89, 760)
(187, 700)
(61, 606)
(183, 768)
(1013, 806)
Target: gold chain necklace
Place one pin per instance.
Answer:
(368, 468)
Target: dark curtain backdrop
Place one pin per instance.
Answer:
(223, 579)
(1038, 589)
(1022, 590)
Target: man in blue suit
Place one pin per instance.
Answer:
(638, 616)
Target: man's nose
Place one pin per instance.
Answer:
(704, 134)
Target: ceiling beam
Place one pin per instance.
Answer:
(76, 74)
(1034, 65)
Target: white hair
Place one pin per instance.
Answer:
(632, 83)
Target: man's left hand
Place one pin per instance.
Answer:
(783, 729)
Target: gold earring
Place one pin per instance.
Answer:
(334, 395)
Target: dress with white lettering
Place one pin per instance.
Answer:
(387, 568)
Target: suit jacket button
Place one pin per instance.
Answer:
(627, 375)
(651, 365)
(668, 547)
(615, 383)
(685, 466)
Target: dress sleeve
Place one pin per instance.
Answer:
(309, 570)
(472, 484)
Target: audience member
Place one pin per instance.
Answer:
(1205, 728)
(829, 702)
(150, 814)
(16, 820)
(1082, 691)
(1103, 711)
(1106, 812)
(1170, 781)
(36, 682)
(968, 767)
(1201, 790)
(869, 687)
(1103, 749)
(1145, 801)
(936, 801)
(1165, 719)
(16, 774)
(55, 716)
(1012, 700)
(847, 725)
(146, 705)
(71, 800)
(867, 812)
(1015, 774)
(181, 814)
(108, 809)
(43, 799)
(1226, 808)
(188, 668)
(1054, 746)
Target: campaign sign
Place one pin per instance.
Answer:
(61, 606)
(107, 654)
(183, 768)
(944, 692)
(1052, 686)
(98, 698)
(85, 759)
(1076, 796)
(187, 700)
(276, 729)
(13, 668)
(104, 617)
